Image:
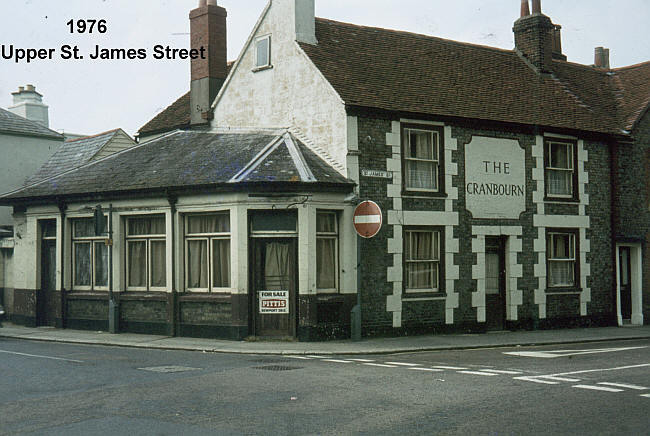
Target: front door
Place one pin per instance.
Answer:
(625, 283)
(46, 304)
(274, 287)
(495, 283)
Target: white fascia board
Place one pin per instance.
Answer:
(259, 158)
(241, 54)
(298, 159)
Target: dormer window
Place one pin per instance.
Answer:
(263, 52)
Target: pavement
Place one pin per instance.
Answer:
(340, 347)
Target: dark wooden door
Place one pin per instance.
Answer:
(273, 299)
(625, 282)
(495, 283)
(46, 302)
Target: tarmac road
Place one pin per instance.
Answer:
(592, 388)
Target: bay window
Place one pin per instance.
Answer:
(326, 252)
(207, 248)
(146, 253)
(89, 257)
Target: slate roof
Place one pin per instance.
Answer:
(196, 162)
(72, 154)
(17, 125)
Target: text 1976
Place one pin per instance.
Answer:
(87, 26)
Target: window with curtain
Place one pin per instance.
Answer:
(207, 247)
(422, 260)
(421, 159)
(561, 259)
(146, 253)
(89, 257)
(327, 251)
(560, 169)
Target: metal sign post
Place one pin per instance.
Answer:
(367, 221)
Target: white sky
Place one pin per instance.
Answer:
(89, 96)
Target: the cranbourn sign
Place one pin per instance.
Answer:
(495, 178)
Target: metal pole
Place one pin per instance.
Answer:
(356, 310)
(112, 306)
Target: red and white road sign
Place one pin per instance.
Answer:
(367, 219)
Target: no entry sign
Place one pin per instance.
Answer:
(367, 219)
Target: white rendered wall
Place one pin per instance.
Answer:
(293, 93)
(22, 156)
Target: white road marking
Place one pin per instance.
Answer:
(562, 379)
(598, 388)
(536, 380)
(337, 361)
(476, 373)
(316, 357)
(40, 357)
(643, 365)
(361, 360)
(624, 385)
(169, 369)
(456, 368)
(402, 364)
(645, 395)
(427, 369)
(564, 353)
(501, 371)
(299, 357)
(380, 364)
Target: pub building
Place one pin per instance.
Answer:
(513, 186)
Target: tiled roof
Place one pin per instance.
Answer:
(17, 125)
(632, 87)
(72, 154)
(175, 116)
(406, 72)
(187, 160)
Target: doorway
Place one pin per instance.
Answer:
(274, 297)
(46, 301)
(495, 282)
(625, 283)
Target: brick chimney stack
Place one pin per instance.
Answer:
(207, 29)
(534, 35)
(601, 58)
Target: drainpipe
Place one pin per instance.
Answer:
(113, 311)
(174, 295)
(613, 159)
(62, 208)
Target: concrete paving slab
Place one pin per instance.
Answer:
(345, 347)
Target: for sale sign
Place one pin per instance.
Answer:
(274, 302)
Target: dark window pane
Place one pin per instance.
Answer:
(84, 228)
(101, 264)
(146, 226)
(221, 263)
(264, 222)
(208, 223)
(82, 265)
(326, 223)
(137, 263)
(197, 264)
(158, 264)
(48, 228)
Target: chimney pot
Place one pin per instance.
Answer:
(212, 2)
(21, 88)
(202, 3)
(537, 6)
(525, 10)
(31, 88)
(601, 58)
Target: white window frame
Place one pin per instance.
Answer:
(268, 52)
(571, 259)
(209, 238)
(570, 169)
(148, 239)
(436, 236)
(92, 240)
(435, 144)
(329, 235)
